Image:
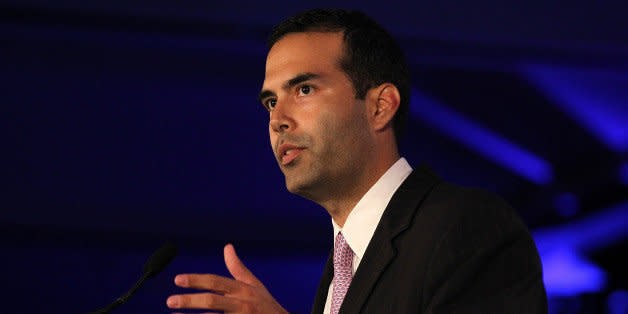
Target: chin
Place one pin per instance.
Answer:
(307, 187)
(298, 185)
(292, 186)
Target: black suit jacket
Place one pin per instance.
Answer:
(442, 248)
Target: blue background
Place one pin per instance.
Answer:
(126, 123)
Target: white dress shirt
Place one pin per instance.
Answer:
(364, 217)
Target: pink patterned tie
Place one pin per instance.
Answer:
(343, 258)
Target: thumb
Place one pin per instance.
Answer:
(237, 268)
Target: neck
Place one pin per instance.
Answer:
(340, 204)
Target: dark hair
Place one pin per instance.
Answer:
(372, 56)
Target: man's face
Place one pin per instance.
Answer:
(318, 129)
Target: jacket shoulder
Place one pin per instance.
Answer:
(477, 206)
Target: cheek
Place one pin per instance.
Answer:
(336, 131)
(272, 136)
(350, 132)
(336, 124)
(326, 127)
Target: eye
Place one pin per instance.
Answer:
(270, 104)
(305, 90)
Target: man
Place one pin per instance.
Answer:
(337, 91)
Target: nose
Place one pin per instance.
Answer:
(281, 118)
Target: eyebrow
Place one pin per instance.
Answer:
(300, 78)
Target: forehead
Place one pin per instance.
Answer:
(304, 52)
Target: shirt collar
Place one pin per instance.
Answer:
(364, 217)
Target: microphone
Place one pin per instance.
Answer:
(155, 264)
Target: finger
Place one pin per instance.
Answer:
(237, 268)
(207, 301)
(208, 282)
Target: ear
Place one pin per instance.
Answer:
(384, 102)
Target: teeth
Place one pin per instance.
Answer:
(287, 152)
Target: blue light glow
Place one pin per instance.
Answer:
(566, 273)
(596, 231)
(623, 173)
(480, 139)
(617, 302)
(567, 204)
(597, 99)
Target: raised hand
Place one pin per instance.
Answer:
(243, 294)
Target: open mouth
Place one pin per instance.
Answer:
(290, 154)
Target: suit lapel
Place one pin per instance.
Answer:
(380, 251)
(323, 286)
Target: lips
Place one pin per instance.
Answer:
(288, 152)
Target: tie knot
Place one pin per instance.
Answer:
(343, 255)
